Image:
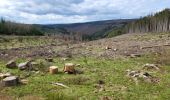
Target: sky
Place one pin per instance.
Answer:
(77, 11)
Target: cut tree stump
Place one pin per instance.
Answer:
(69, 68)
(11, 64)
(25, 65)
(10, 81)
(4, 75)
(53, 69)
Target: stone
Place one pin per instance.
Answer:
(11, 64)
(69, 67)
(53, 69)
(10, 81)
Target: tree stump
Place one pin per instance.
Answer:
(69, 68)
(11, 64)
(2, 75)
(25, 65)
(10, 81)
(53, 69)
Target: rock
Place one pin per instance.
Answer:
(53, 69)
(150, 67)
(10, 81)
(69, 67)
(11, 64)
(25, 65)
(2, 75)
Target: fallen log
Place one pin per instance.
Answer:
(60, 84)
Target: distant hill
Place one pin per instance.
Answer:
(97, 29)
(159, 22)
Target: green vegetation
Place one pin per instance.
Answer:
(8, 42)
(83, 86)
(11, 28)
(116, 32)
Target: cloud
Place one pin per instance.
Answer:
(73, 11)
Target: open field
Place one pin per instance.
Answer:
(103, 70)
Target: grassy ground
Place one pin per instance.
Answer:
(117, 86)
(83, 86)
(8, 42)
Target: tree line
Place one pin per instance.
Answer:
(159, 22)
(12, 28)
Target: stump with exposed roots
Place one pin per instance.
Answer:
(69, 68)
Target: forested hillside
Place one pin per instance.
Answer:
(89, 30)
(11, 28)
(159, 22)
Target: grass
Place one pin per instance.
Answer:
(83, 86)
(8, 42)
